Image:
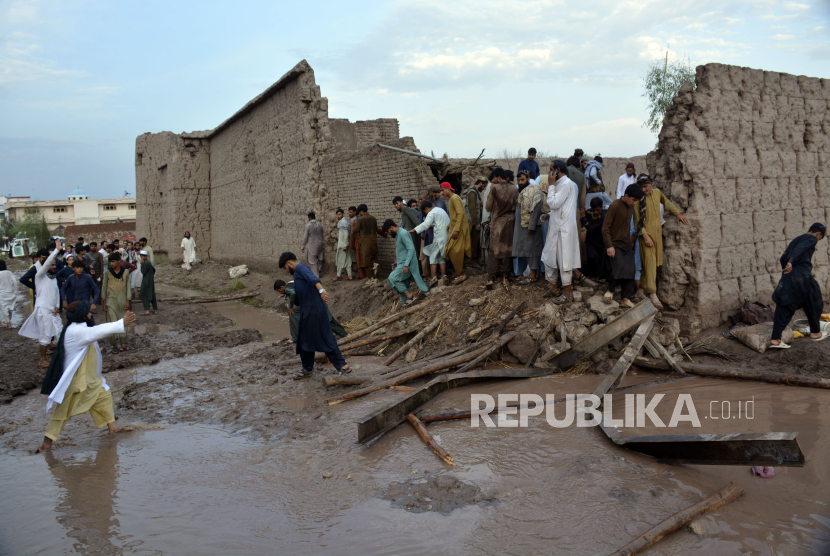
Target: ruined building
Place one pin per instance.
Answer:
(745, 153)
(244, 188)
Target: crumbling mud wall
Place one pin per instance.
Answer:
(374, 176)
(746, 154)
(173, 190)
(265, 172)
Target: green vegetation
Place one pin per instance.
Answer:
(33, 226)
(661, 84)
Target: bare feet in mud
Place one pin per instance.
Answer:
(47, 445)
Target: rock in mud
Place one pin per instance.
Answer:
(476, 301)
(601, 308)
(588, 318)
(666, 331)
(411, 355)
(442, 493)
(522, 347)
(547, 311)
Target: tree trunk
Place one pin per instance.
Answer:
(432, 326)
(388, 320)
(426, 437)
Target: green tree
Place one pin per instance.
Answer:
(661, 84)
(33, 226)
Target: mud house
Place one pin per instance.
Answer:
(744, 152)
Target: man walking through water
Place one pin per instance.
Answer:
(314, 331)
(73, 380)
(188, 250)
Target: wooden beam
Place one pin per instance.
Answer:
(430, 441)
(617, 373)
(658, 347)
(678, 520)
(404, 348)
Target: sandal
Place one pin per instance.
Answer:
(459, 279)
(561, 300)
(823, 336)
(608, 297)
(527, 282)
(114, 350)
(782, 345)
(344, 370)
(302, 373)
(336, 279)
(579, 280)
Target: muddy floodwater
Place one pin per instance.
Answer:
(180, 488)
(273, 326)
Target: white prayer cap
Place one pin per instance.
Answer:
(142, 252)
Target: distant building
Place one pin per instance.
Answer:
(77, 210)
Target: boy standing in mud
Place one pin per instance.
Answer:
(314, 331)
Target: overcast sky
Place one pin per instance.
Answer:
(80, 80)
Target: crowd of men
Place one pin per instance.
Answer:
(520, 227)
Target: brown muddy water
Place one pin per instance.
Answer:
(538, 490)
(273, 326)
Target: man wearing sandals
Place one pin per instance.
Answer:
(619, 244)
(405, 268)
(344, 255)
(458, 245)
(797, 288)
(314, 332)
(649, 226)
(561, 254)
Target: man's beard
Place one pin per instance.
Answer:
(291, 271)
(393, 234)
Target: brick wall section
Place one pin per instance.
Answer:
(96, 232)
(173, 189)
(746, 155)
(264, 179)
(370, 132)
(373, 176)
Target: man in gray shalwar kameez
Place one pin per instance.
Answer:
(528, 236)
(313, 239)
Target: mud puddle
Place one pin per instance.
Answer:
(273, 326)
(148, 329)
(194, 488)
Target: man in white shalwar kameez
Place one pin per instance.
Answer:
(344, 255)
(437, 219)
(44, 323)
(561, 254)
(74, 381)
(188, 250)
(8, 294)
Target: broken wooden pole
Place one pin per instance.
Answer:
(430, 442)
(404, 348)
(658, 347)
(678, 520)
(338, 380)
(507, 319)
(378, 339)
(388, 320)
(437, 366)
(206, 299)
(483, 357)
(723, 371)
(617, 373)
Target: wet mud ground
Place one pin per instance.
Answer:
(229, 455)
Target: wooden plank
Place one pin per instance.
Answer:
(404, 348)
(374, 425)
(617, 373)
(605, 335)
(658, 347)
(417, 306)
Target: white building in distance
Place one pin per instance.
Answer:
(77, 210)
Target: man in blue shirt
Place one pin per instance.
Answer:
(80, 287)
(530, 165)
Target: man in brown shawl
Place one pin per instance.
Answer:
(367, 227)
(500, 204)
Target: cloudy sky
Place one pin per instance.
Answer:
(80, 80)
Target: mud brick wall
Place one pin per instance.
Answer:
(746, 155)
(172, 190)
(265, 173)
(374, 176)
(124, 231)
(370, 132)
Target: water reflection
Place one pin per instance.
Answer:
(87, 505)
